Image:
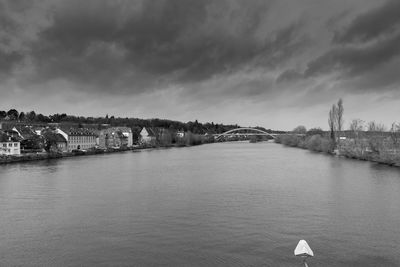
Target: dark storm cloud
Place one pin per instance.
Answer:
(283, 44)
(8, 60)
(351, 60)
(106, 45)
(6, 22)
(289, 75)
(8, 57)
(372, 24)
(368, 43)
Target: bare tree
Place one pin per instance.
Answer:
(395, 133)
(339, 120)
(332, 121)
(356, 126)
(376, 127)
(371, 126)
(339, 116)
(376, 136)
(380, 127)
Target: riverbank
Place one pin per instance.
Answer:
(58, 155)
(46, 156)
(374, 149)
(382, 152)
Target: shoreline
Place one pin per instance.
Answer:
(380, 151)
(46, 156)
(354, 157)
(377, 161)
(27, 157)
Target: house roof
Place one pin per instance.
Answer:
(13, 135)
(25, 131)
(154, 131)
(4, 137)
(60, 138)
(79, 131)
(150, 131)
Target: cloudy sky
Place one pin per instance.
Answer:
(275, 64)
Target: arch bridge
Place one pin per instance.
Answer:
(244, 131)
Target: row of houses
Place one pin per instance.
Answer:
(62, 139)
(70, 139)
(15, 139)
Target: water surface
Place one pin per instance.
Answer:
(226, 204)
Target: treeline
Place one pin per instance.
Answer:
(168, 139)
(371, 141)
(194, 127)
(314, 139)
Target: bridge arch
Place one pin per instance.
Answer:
(245, 128)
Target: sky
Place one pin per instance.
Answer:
(276, 64)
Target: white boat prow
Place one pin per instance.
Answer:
(303, 249)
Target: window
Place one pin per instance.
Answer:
(15, 144)
(4, 145)
(9, 144)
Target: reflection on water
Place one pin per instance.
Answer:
(229, 204)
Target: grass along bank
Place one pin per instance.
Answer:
(381, 147)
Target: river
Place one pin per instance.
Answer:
(225, 204)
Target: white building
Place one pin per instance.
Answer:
(147, 136)
(79, 138)
(10, 148)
